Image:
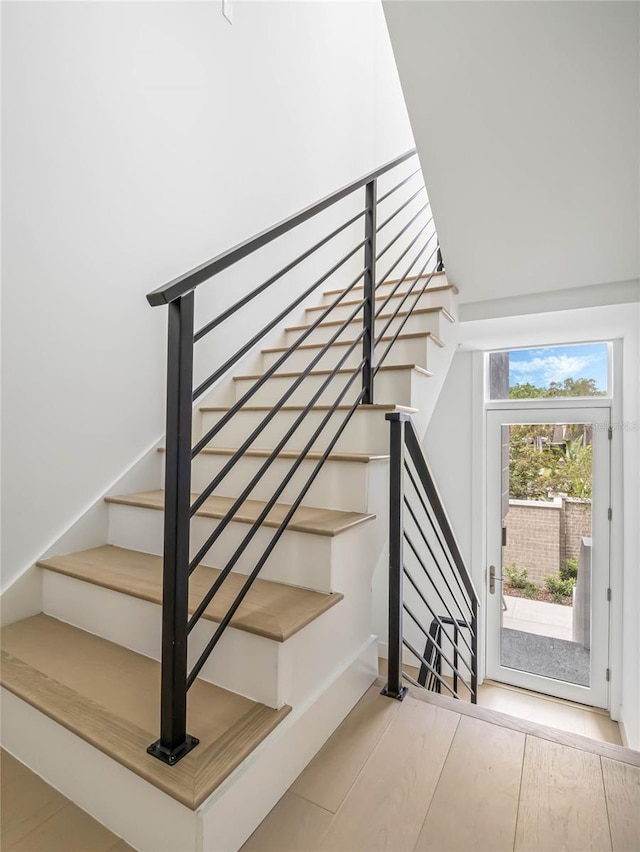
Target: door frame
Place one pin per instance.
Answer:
(546, 410)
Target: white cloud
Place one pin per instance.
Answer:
(551, 368)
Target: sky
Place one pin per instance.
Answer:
(557, 363)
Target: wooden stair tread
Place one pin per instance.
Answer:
(415, 312)
(295, 373)
(392, 281)
(408, 336)
(274, 610)
(308, 519)
(108, 696)
(358, 458)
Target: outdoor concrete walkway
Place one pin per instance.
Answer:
(539, 617)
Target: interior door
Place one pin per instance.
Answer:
(548, 513)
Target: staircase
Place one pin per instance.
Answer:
(274, 661)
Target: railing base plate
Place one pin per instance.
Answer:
(399, 696)
(172, 756)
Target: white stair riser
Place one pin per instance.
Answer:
(414, 323)
(314, 653)
(300, 559)
(339, 485)
(262, 669)
(438, 299)
(391, 387)
(411, 350)
(149, 820)
(136, 624)
(366, 432)
(383, 290)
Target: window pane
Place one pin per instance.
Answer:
(581, 370)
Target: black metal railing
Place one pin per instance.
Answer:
(415, 263)
(439, 592)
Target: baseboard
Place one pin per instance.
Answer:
(623, 733)
(23, 598)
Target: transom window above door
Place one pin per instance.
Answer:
(552, 372)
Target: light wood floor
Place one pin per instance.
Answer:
(535, 707)
(565, 715)
(403, 776)
(418, 775)
(36, 818)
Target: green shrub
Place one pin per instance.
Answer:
(517, 576)
(558, 587)
(569, 571)
(519, 579)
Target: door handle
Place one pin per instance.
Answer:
(493, 578)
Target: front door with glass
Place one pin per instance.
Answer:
(548, 498)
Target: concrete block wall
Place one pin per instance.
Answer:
(575, 524)
(541, 535)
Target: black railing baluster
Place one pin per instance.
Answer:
(174, 741)
(474, 645)
(455, 657)
(394, 688)
(369, 319)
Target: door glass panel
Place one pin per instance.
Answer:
(546, 554)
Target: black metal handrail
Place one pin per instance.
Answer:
(190, 280)
(180, 506)
(441, 583)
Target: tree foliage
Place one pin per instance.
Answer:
(555, 390)
(540, 468)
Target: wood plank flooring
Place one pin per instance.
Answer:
(412, 775)
(37, 818)
(433, 774)
(483, 770)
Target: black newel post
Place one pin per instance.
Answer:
(174, 741)
(394, 687)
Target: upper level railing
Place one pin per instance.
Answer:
(438, 608)
(411, 248)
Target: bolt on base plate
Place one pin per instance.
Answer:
(172, 756)
(399, 696)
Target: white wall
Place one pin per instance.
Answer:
(458, 464)
(449, 448)
(529, 138)
(140, 139)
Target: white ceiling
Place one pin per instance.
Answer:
(526, 119)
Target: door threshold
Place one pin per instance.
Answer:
(545, 697)
(548, 710)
